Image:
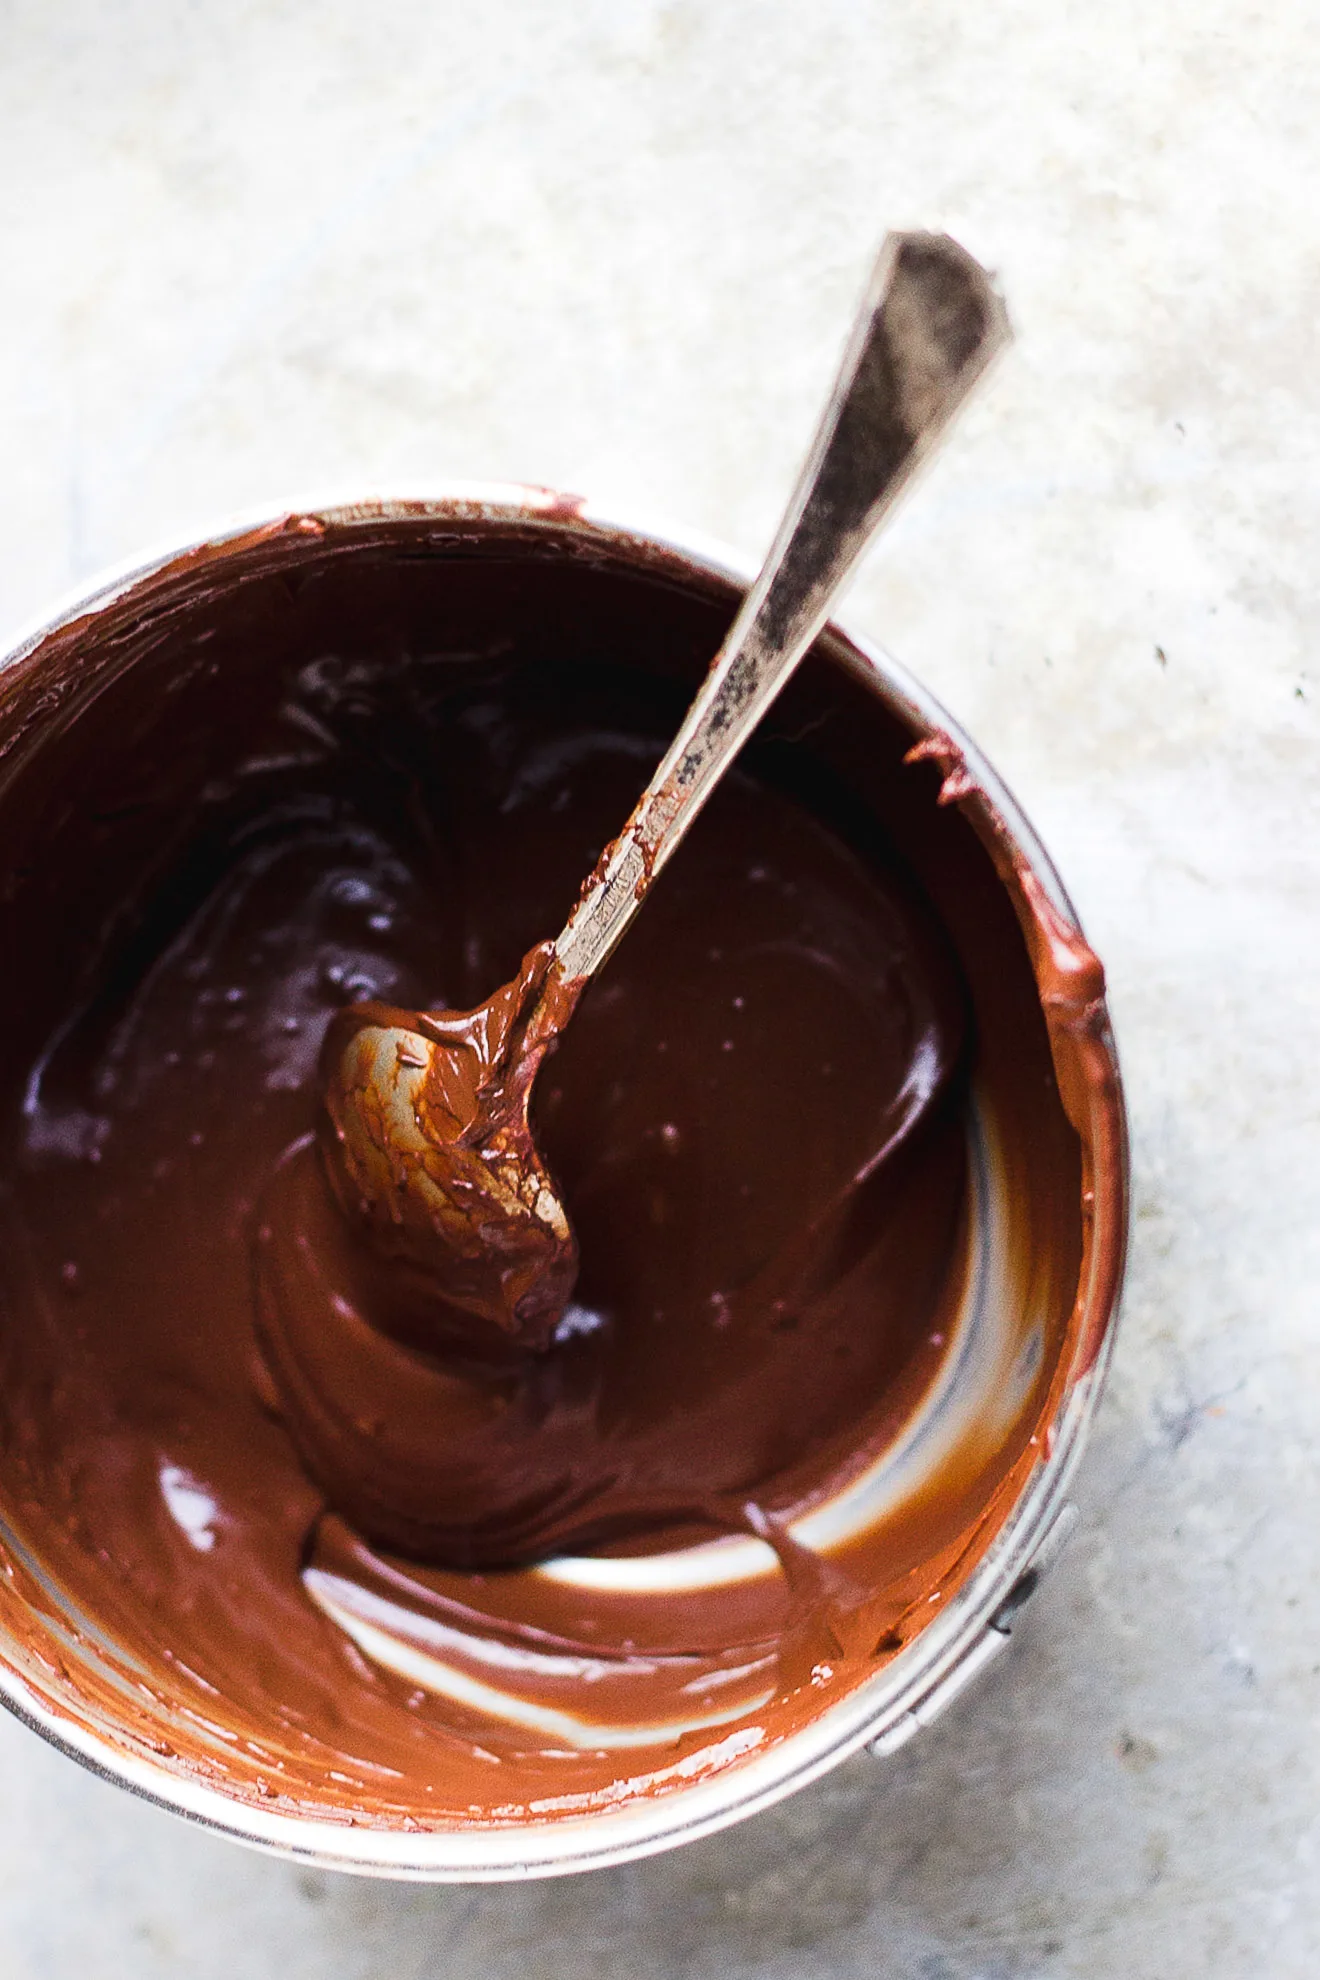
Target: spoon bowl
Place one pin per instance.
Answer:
(429, 1144)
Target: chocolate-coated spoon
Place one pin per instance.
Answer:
(428, 1131)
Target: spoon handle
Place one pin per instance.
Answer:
(929, 323)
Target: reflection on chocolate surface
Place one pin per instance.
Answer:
(807, 1126)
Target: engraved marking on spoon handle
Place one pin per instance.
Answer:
(929, 324)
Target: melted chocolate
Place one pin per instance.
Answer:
(721, 1115)
(269, 1465)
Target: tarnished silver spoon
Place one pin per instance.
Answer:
(427, 1133)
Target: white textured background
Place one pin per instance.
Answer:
(614, 246)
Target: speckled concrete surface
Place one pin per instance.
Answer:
(271, 246)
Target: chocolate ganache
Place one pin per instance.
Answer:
(363, 1549)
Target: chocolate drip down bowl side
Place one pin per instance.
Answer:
(777, 1502)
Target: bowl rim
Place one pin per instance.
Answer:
(952, 1646)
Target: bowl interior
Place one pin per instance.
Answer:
(120, 735)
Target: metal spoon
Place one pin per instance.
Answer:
(428, 1136)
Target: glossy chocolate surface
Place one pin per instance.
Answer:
(290, 1486)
